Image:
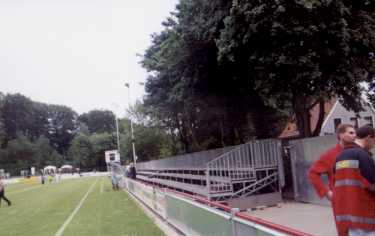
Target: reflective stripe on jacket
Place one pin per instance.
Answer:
(353, 203)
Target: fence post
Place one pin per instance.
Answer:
(208, 184)
(233, 212)
(154, 198)
(293, 161)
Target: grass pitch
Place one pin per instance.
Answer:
(45, 210)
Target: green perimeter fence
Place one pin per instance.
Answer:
(196, 217)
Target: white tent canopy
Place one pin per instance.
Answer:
(66, 167)
(50, 168)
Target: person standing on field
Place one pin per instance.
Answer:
(2, 191)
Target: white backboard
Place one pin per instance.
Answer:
(112, 156)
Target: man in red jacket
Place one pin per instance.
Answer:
(325, 164)
(353, 193)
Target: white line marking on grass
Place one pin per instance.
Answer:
(24, 190)
(101, 186)
(67, 221)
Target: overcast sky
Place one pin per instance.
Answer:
(77, 53)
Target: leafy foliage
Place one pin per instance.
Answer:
(194, 95)
(99, 121)
(81, 152)
(300, 52)
(21, 154)
(249, 63)
(62, 127)
(21, 115)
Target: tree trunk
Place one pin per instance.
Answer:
(190, 131)
(237, 139)
(182, 135)
(175, 139)
(222, 131)
(318, 126)
(302, 112)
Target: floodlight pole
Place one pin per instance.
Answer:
(118, 135)
(117, 129)
(131, 127)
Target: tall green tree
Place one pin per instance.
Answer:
(189, 89)
(21, 115)
(19, 155)
(254, 62)
(99, 121)
(45, 154)
(151, 140)
(102, 142)
(62, 127)
(81, 152)
(301, 53)
(30, 130)
(2, 125)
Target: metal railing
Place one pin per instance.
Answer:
(219, 173)
(241, 164)
(257, 185)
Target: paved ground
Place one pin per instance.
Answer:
(309, 218)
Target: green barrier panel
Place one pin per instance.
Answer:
(195, 219)
(130, 185)
(152, 197)
(160, 203)
(245, 228)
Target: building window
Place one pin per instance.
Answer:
(336, 122)
(368, 121)
(354, 121)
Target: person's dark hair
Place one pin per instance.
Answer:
(341, 128)
(364, 131)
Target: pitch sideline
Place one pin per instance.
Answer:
(69, 219)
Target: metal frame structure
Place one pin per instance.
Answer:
(220, 174)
